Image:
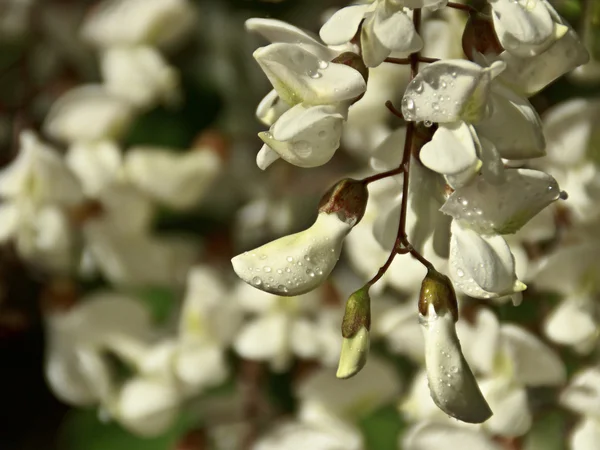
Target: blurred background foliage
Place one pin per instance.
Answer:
(221, 88)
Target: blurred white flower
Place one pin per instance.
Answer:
(432, 436)
(161, 23)
(582, 396)
(139, 75)
(88, 113)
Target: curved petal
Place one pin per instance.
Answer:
(452, 384)
(448, 91)
(451, 151)
(586, 435)
(510, 405)
(534, 363)
(298, 76)
(504, 208)
(481, 340)
(572, 323)
(343, 24)
(200, 367)
(184, 177)
(147, 407)
(513, 112)
(583, 393)
(271, 108)
(295, 264)
(395, 31)
(96, 165)
(388, 154)
(278, 31)
(88, 113)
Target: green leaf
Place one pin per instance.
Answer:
(548, 432)
(82, 430)
(160, 301)
(382, 428)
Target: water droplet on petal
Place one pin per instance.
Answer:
(256, 281)
(460, 273)
(267, 269)
(290, 259)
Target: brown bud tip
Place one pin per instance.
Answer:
(480, 36)
(358, 313)
(348, 199)
(437, 290)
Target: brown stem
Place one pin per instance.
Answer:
(407, 61)
(251, 379)
(389, 105)
(402, 245)
(460, 6)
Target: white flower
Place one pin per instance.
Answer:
(432, 436)
(526, 28)
(88, 113)
(139, 75)
(299, 436)
(178, 180)
(450, 90)
(160, 23)
(299, 76)
(75, 368)
(452, 384)
(303, 136)
(482, 266)
(385, 28)
(502, 208)
(325, 399)
(281, 328)
(295, 264)
(583, 396)
(530, 74)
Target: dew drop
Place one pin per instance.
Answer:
(454, 369)
(289, 259)
(267, 269)
(279, 271)
(288, 270)
(310, 273)
(256, 281)
(263, 257)
(323, 65)
(460, 273)
(428, 123)
(409, 103)
(435, 106)
(306, 258)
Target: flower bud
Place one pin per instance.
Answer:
(355, 330)
(437, 290)
(452, 385)
(354, 354)
(348, 199)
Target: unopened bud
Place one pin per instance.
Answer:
(353, 357)
(480, 36)
(348, 199)
(437, 291)
(355, 330)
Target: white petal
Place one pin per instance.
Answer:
(343, 25)
(481, 266)
(583, 393)
(147, 407)
(295, 264)
(388, 154)
(278, 31)
(535, 364)
(568, 128)
(480, 340)
(532, 74)
(271, 108)
(300, 436)
(504, 208)
(265, 157)
(88, 113)
(160, 23)
(266, 339)
(139, 75)
(572, 322)
(178, 180)
(586, 435)
(510, 405)
(353, 356)
(451, 151)
(95, 164)
(452, 384)
(447, 91)
(298, 76)
(304, 337)
(521, 24)
(9, 220)
(400, 330)
(200, 366)
(352, 398)
(433, 436)
(513, 112)
(492, 166)
(304, 136)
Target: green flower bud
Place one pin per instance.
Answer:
(348, 199)
(437, 290)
